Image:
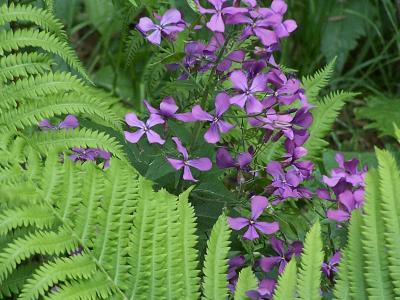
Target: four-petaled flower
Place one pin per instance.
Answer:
(70, 122)
(225, 160)
(330, 267)
(91, 154)
(347, 202)
(144, 128)
(267, 263)
(202, 164)
(258, 204)
(285, 91)
(170, 23)
(218, 126)
(216, 22)
(247, 96)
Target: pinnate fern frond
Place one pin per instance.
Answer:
(247, 281)
(286, 287)
(325, 115)
(216, 261)
(310, 270)
(28, 13)
(24, 64)
(315, 83)
(341, 289)
(21, 38)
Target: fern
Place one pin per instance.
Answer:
(28, 13)
(21, 38)
(342, 286)
(286, 287)
(133, 44)
(314, 84)
(324, 117)
(310, 269)
(216, 261)
(23, 65)
(246, 282)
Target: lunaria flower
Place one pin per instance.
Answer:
(285, 90)
(246, 96)
(283, 257)
(144, 128)
(347, 202)
(265, 290)
(202, 164)
(70, 122)
(168, 109)
(330, 267)
(225, 160)
(284, 183)
(91, 154)
(234, 263)
(218, 126)
(216, 22)
(258, 204)
(170, 23)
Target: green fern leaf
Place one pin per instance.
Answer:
(76, 267)
(21, 38)
(310, 270)
(342, 287)
(390, 211)
(190, 273)
(286, 287)
(247, 281)
(23, 65)
(14, 283)
(133, 44)
(28, 13)
(324, 117)
(315, 83)
(376, 262)
(216, 261)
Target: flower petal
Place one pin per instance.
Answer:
(154, 138)
(146, 24)
(253, 106)
(212, 135)
(259, 83)
(200, 115)
(222, 104)
(171, 16)
(239, 100)
(239, 80)
(238, 223)
(181, 149)
(132, 120)
(187, 174)
(224, 159)
(338, 215)
(258, 204)
(70, 122)
(168, 106)
(244, 159)
(45, 125)
(176, 163)
(268, 263)
(251, 234)
(216, 23)
(133, 137)
(154, 120)
(150, 108)
(267, 37)
(277, 245)
(202, 164)
(266, 227)
(155, 37)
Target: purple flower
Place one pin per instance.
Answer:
(216, 22)
(235, 56)
(225, 160)
(329, 268)
(91, 154)
(70, 122)
(218, 126)
(258, 204)
(254, 67)
(283, 28)
(286, 90)
(265, 290)
(144, 128)
(267, 263)
(247, 96)
(168, 109)
(202, 164)
(285, 184)
(234, 263)
(347, 202)
(170, 23)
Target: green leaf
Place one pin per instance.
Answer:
(286, 287)
(247, 281)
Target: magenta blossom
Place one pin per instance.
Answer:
(225, 160)
(216, 22)
(265, 290)
(258, 204)
(202, 164)
(144, 128)
(70, 122)
(170, 23)
(247, 96)
(330, 267)
(218, 126)
(283, 257)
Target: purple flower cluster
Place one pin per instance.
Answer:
(78, 154)
(346, 188)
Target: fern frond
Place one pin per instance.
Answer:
(39, 242)
(40, 86)
(188, 239)
(216, 261)
(286, 287)
(76, 267)
(315, 83)
(390, 209)
(376, 261)
(324, 117)
(31, 114)
(64, 139)
(342, 286)
(21, 38)
(355, 262)
(28, 13)
(23, 65)
(247, 281)
(133, 44)
(14, 283)
(310, 270)
(38, 216)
